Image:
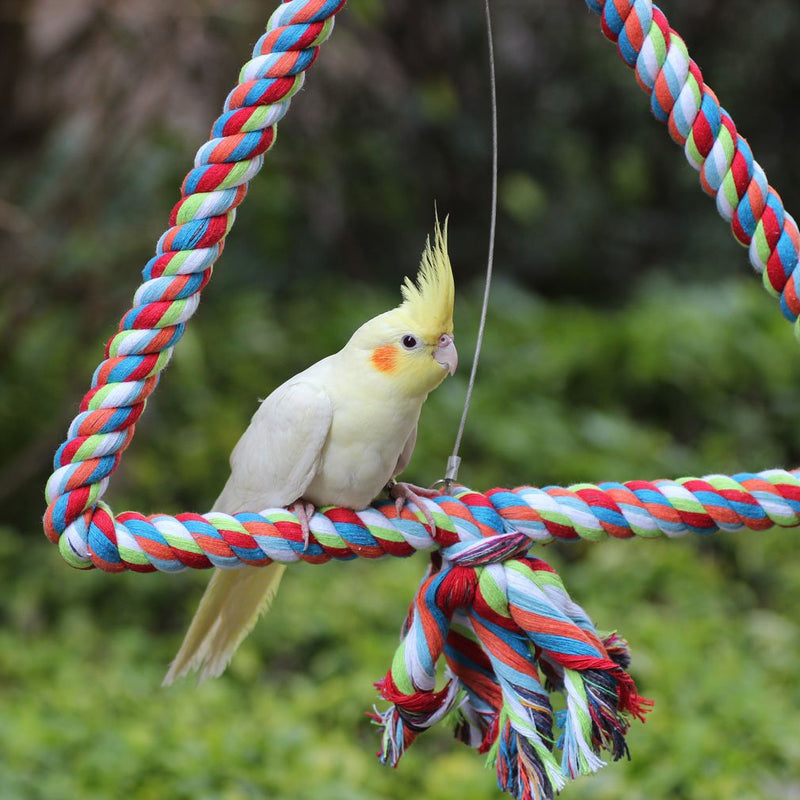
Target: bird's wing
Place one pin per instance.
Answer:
(405, 453)
(279, 453)
(272, 465)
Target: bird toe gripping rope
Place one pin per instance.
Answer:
(502, 620)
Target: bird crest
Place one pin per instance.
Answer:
(430, 298)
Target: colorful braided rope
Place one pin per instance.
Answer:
(502, 620)
(470, 527)
(728, 172)
(185, 255)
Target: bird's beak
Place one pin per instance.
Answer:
(445, 353)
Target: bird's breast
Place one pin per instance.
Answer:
(361, 452)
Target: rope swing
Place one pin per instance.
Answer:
(503, 621)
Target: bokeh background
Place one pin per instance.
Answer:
(627, 338)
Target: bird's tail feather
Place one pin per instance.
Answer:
(230, 607)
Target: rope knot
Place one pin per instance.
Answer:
(510, 636)
(492, 550)
(476, 534)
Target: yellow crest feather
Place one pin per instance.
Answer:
(430, 299)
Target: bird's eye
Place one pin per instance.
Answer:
(409, 341)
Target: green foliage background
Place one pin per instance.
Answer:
(626, 340)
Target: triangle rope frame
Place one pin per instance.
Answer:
(88, 533)
(499, 617)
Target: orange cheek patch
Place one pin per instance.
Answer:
(384, 358)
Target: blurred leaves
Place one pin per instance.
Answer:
(625, 340)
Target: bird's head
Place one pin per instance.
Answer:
(413, 343)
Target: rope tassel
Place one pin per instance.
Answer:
(502, 625)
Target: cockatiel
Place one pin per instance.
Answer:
(335, 434)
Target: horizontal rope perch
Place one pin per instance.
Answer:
(469, 526)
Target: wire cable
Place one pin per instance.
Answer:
(454, 461)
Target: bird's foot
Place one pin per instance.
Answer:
(304, 511)
(401, 493)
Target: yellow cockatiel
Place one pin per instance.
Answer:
(335, 434)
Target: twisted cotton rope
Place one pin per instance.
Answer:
(185, 255)
(465, 523)
(728, 172)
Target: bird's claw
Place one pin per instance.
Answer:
(401, 493)
(304, 511)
